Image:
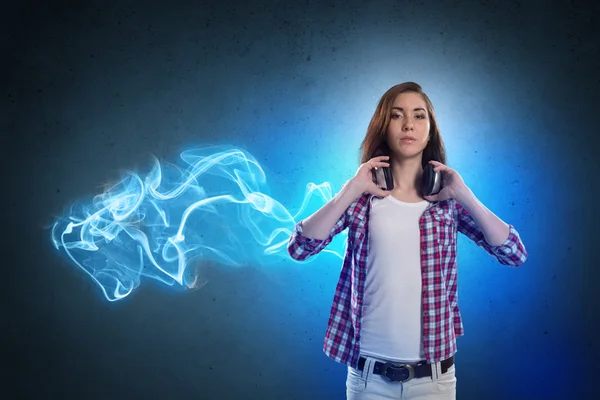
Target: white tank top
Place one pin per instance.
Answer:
(392, 324)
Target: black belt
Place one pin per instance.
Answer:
(404, 372)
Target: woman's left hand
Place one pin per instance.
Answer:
(452, 183)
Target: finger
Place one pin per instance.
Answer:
(381, 164)
(440, 167)
(438, 164)
(379, 158)
(377, 164)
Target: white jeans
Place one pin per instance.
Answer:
(365, 385)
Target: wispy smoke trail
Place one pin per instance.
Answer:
(216, 209)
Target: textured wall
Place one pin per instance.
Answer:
(93, 89)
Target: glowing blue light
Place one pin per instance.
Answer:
(171, 223)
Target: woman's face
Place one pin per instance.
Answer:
(408, 131)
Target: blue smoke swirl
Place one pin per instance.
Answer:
(170, 223)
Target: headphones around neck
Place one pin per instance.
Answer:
(431, 181)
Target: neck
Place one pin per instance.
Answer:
(407, 174)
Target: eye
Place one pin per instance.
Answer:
(396, 116)
(421, 116)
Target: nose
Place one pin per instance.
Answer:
(407, 125)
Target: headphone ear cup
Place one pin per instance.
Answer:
(389, 179)
(431, 181)
(426, 181)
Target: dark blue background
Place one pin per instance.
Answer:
(92, 89)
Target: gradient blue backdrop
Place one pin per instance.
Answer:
(91, 90)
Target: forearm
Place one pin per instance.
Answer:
(319, 225)
(494, 229)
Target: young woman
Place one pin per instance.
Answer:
(395, 317)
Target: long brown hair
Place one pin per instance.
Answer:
(375, 142)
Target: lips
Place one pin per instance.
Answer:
(407, 140)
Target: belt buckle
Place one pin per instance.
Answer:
(406, 371)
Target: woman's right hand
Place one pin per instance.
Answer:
(363, 180)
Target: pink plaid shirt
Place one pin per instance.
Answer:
(439, 226)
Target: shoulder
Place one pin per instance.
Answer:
(449, 205)
(443, 205)
(360, 205)
(358, 209)
(445, 210)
